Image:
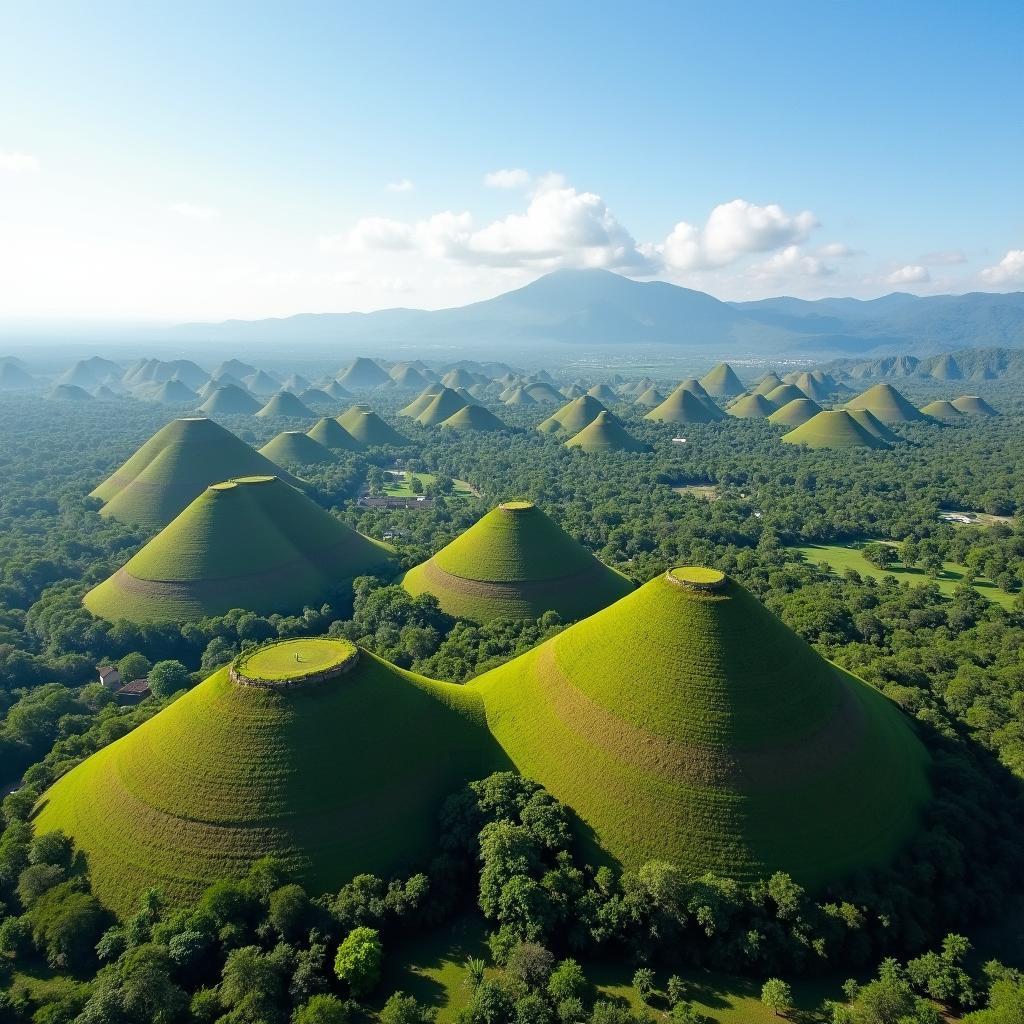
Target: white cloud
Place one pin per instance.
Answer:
(943, 258)
(912, 273)
(792, 260)
(733, 230)
(18, 163)
(373, 233)
(402, 185)
(836, 250)
(190, 211)
(1009, 270)
(509, 177)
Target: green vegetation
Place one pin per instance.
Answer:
(768, 383)
(873, 425)
(175, 466)
(473, 417)
(835, 428)
(722, 382)
(334, 779)
(421, 401)
(254, 543)
(944, 411)
(795, 413)
(293, 448)
(885, 402)
(605, 434)
(230, 400)
(332, 435)
(363, 373)
(972, 405)
(70, 393)
(686, 405)
(573, 417)
(403, 484)
(783, 394)
(369, 429)
(292, 660)
(689, 724)
(518, 396)
(604, 394)
(755, 407)
(650, 398)
(285, 404)
(445, 403)
(947, 576)
(516, 563)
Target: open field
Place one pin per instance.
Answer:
(703, 492)
(841, 557)
(399, 484)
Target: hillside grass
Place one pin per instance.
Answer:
(399, 484)
(699, 729)
(337, 778)
(842, 557)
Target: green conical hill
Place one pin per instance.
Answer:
(229, 400)
(261, 383)
(458, 378)
(174, 392)
(337, 392)
(833, 429)
(285, 404)
(337, 777)
(314, 398)
(235, 367)
(649, 399)
(175, 466)
(972, 405)
(685, 406)
(255, 543)
(752, 407)
(408, 377)
(686, 723)
(784, 393)
(516, 563)
(105, 394)
(541, 391)
(694, 385)
(14, 378)
(792, 414)
(813, 387)
(518, 396)
(369, 429)
(571, 391)
(947, 368)
(473, 417)
(70, 393)
(945, 412)
(603, 393)
(768, 383)
(363, 373)
(447, 402)
(421, 401)
(722, 382)
(888, 404)
(295, 449)
(573, 416)
(873, 425)
(331, 434)
(605, 434)
(295, 383)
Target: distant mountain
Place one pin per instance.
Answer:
(597, 307)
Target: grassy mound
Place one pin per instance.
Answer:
(254, 543)
(331, 434)
(337, 392)
(421, 401)
(543, 392)
(473, 417)
(369, 429)
(794, 413)
(516, 563)
(261, 383)
(284, 403)
(175, 466)
(314, 398)
(944, 412)
(363, 373)
(605, 434)
(336, 776)
(722, 382)
(783, 394)
(296, 449)
(752, 407)
(972, 405)
(573, 417)
(604, 394)
(816, 385)
(518, 396)
(70, 393)
(686, 723)
(947, 368)
(407, 376)
(768, 383)
(885, 402)
(571, 391)
(873, 425)
(686, 406)
(458, 378)
(833, 429)
(650, 398)
(174, 392)
(447, 402)
(230, 400)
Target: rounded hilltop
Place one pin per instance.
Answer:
(334, 769)
(686, 723)
(516, 563)
(605, 434)
(254, 543)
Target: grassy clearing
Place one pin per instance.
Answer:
(697, 728)
(335, 779)
(399, 484)
(841, 557)
(292, 658)
(703, 492)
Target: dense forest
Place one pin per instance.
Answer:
(263, 949)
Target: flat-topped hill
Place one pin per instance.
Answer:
(175, 466)
(885, 402)
(972, 405)
(295, 449)
(516, 563)
(835, 428)
(686, 723)
(369, 429)
(605, 434)
(943, 411)
(255, 543)
(309, 750)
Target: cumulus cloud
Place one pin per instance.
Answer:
(733, 230)
(18, 163)
(402, 185)
(373, 233)
(1009, 270)
(508, 177)
(943, 258)
(912, 273)
(190, 211)
(836, 250)
(793, 261)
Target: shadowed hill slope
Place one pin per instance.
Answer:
(605, 434)
(369, 429)
(296, 449)
(686, 723)
(331, 434)
(888, 404)
(473, 417)
(792, 414)
(686, 406)
(833, 429)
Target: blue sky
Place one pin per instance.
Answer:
(187, 160)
